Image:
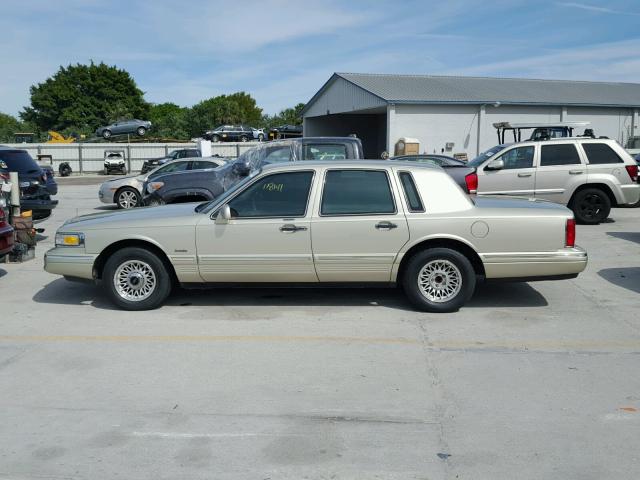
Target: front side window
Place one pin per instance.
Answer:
(564, 154)
(598, 153)
(202, 164)
(172, 167)
(519, 157)
(324, 152)
(277, 195)
(357, 192)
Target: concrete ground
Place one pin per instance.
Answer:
(529, 381)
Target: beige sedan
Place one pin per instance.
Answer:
(312, 223)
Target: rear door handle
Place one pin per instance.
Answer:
(575, 172)
(290, 228)
(524, 174)
(386, 226)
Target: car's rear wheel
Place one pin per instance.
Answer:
(128, 197)
(244, 138)
(106, 134)
(215, 139)
(591, 206)
(136, 279)
(141, 131)
(260, 137)
(439, 280)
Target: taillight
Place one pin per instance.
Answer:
(471, 181)
(632, 170)
(5, 177)
(570, 233)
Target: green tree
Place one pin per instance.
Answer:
(288, 116)
(170, 121)
(237, 108)
(83, 97)
(8, 126)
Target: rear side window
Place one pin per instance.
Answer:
(324, 152)
(411, 192)
(357, 192)
(565, 154)
(600, 153)
(202, 164)
(19, 161)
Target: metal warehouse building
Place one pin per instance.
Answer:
(456, 114)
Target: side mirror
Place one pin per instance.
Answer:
(497, 164)
(224, 215)
(241, 169)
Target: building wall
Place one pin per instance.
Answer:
(614, 123)
(342, 96)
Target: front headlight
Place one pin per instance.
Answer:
(69, 239)
(153, 186)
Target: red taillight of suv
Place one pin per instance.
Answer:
(570, 233)
(472, 182)
(632, 170)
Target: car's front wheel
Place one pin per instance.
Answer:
(128, 197)
(439, 280)
(215, 139)
(106, 134)
(136, 279)
(141, 131)
(591, 206)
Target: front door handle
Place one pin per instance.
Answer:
(524, 174)
(290, 228)
(575, 172)
(386, 226)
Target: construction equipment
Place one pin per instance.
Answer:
(541, 131)
(55, 137)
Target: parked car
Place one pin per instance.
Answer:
(588, 175)
(464, 175)
(285, 131)
(324, 222)
(6, 235)
(35, 194)
(114, 162)
(123, 127)
(258, 134)
(207, 185)
(229, 133)
(127, 192)
(152, 163)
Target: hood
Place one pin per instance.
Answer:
(124, 179)
(139, 218)
(505, 201)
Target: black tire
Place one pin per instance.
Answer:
(244, 138)
(106, 134)
(449, 270)
(141, 131)
(145, 270)
(106, 171)
(156, 202)
(215, 139)
(591, 206)
(260, 137)
(127, 197)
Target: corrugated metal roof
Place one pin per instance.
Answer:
(474, 90)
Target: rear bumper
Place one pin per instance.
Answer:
(70, 262)
(630, 193)
(564, 263)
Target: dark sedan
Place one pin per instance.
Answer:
(460, 171)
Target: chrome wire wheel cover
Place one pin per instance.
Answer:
(134, 280)
(127, 199)
(439, 281)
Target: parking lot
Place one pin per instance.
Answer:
(529, 380)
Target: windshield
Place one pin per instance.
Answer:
(209, 206)
(19, 161)
(480, 159)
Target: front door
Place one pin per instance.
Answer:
(517, 177)
(359, 228)
(268, 238)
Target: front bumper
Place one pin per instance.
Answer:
(70, 262)
(529, 265)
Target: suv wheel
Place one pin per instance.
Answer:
(106, 134)
(136, 279)
(591, 206)
(127, 197)
(439, 280)
(244, 138)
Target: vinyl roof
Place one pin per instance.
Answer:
(418, 89)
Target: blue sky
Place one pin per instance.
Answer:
(281, 52)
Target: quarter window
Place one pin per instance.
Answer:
(411, 192)
(600, 153)
(357, 192)
(520, 157)
(564, 154)
(277, 195)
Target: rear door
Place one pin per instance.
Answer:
(358, 227)
(560, 171)
(516, 178)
